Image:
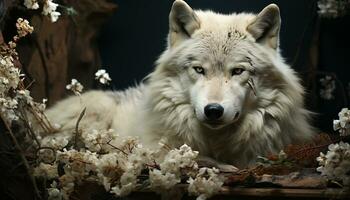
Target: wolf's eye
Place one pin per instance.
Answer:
(199, 70)
(237, 71)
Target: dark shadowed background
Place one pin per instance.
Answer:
(135, 36)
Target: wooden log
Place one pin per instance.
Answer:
(333, 193)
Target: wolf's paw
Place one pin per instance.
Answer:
(227, 168)
(209, 162)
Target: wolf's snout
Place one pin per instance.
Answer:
(213, 111)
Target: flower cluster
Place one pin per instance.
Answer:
(10, 75)
(333, 8)
(102, 76)
(75, 87)
(328, 87)
(206, 183)
(23, 27)
(335, 164)
(343, 124)
(49, 8)
(170, 169)
(117, 163)
(31, 4)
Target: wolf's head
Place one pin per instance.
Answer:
(212, 61)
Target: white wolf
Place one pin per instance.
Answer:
(221, 87)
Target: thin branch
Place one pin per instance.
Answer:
(77, 132)
(314, 147)
(30, 84)
(23, 158)
(43, 125)
(119, 149)
(27, 125)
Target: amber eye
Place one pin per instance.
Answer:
(199, 70)
(237, 71)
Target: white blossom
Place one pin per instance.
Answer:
(335, 164)
(179, 158)
(102, 76)
(170, 169)
(8, 103)
(160, 180)
(328, 88)
(24, 95)
(124, 190)
(108, 167)
(333, 8)
(97, 141)
(49, 8)
(9, 74)
(46, 170)
(54, 193)
(7, 108)
(206, 184)
(77, 163)
(67, 185)
(31, 4)
(23, 27)
(343, 124)
(54, 16)
(56, 142)
(75, 87)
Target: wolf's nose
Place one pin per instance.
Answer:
(213, 111)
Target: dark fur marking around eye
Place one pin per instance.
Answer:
(249, 60)
(190, 58)
(225, 49)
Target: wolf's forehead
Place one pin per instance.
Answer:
(229, 33)
(221, 43)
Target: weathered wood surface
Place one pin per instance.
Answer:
(226, 193)
(333, 193)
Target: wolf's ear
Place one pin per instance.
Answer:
(265, 27)
(183, 21)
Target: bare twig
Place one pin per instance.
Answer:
(30, 84)
(41, 121)
(119, 149)
(47, 121)
(23, 158)
(27, 125)
(77, 132)
(314, 147)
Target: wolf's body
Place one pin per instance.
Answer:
(230, 61)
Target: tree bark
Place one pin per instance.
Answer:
(57, 52)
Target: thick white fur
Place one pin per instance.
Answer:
(162, 106)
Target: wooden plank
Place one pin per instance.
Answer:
(333, 193)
